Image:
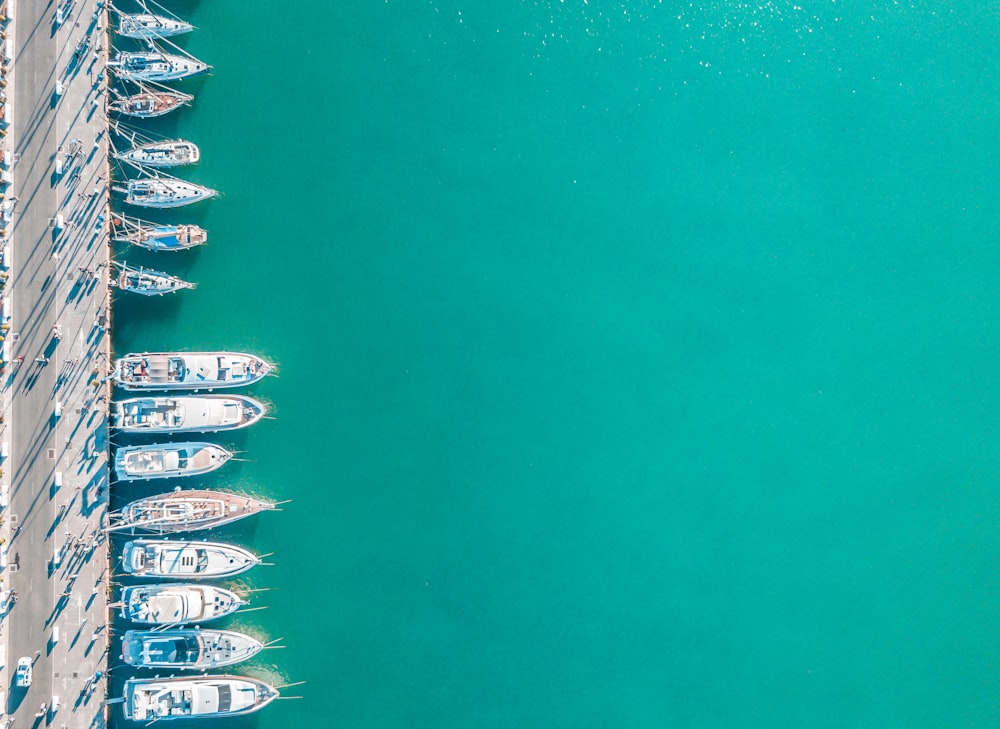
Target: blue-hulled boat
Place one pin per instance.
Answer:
(154, 236)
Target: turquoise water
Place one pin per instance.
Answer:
(637, 361)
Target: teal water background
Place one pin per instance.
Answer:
(638, 361)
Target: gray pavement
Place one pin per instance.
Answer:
(55, 476)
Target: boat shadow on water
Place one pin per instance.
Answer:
(140, 312)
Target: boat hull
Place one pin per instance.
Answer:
(158, 699)
(145, 26)
(186, 511)
(186, 414)
(185, 560)
(193, 371)
(168, 460)
(158, 237)
(190, 649)
(162, 155)
(149, 106)
(146, 282)
(165, 195)
(158, 67)
(177, 604)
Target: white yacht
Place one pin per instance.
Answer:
(169, 153)
(185, 560)
(186, 413)
(155, 66)
(188, 370)
(178, 604)
(165, 192)
(187, 648)
(146, 26)
(168, 460)
(155, 699)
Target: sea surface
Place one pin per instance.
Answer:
(638, 360)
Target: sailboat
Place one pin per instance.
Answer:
(156, 236)
(145, 281)
(163, 192)
(146, 26)
(149, 103)
(155, 65)
(168, 153)
(186, 511)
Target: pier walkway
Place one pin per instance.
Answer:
(54, 479)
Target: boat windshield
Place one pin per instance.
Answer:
(225, 697)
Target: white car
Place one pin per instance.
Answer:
(22, 677)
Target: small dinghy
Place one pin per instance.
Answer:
(155, 237)
(178, 604)
(146, 26)
(186, 413)
(149, 104)
(155, 66)
(164, 192)
(169, 153)
(186, 511)
(168, 460)
(148, 282)
(185, 560)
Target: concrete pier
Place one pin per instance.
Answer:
(54, 437)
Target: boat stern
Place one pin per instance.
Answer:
(134, 558)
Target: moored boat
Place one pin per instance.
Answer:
(186, 413)
(164, 192)
(186, 511)
(187, 648)
(168, 460)
(155, 66)
(188, 370)
(149, 104)
(146, 26)
(178, 604)
(185, 560)
(156, 699)
(169, 153)
(148, 282)
(156, 237)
